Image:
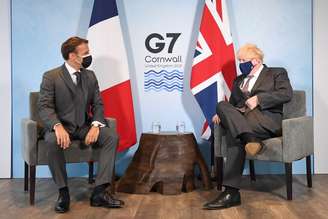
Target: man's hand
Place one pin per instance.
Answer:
(252, 102)
(62, 136)
(92, 135)
(216, 119)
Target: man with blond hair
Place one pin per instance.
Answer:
(253, 113)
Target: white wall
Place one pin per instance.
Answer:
(320, 88)
(5, 89)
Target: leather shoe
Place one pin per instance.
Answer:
(226, 199)
(105, 199)
(253, 148)
(62, 204)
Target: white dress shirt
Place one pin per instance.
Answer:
(253, 79)
(71, 72)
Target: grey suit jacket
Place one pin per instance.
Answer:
(56, 103)
(272, 88)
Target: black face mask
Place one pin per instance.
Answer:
(246, 67)
(86, 62)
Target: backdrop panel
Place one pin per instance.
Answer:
(283, 29)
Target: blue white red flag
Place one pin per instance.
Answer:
(111, 66)
(214, 68)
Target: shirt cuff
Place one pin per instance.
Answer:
(98, 124)
(56, 125)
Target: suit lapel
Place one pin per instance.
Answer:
(67, 79)
(261, 78)
(84, 84)
(241, 80)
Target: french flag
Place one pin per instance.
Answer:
(111, 67)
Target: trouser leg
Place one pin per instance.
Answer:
(232, 119)
(234, 162)
(56, 160)
(107, 141)
(254, 122)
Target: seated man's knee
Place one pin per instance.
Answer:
(113, 137)
(106, 134)
(221, 106)
(51, 143)
(50, 138)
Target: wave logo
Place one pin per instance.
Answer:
(164, 80)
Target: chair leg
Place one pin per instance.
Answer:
(219, 172)
(91, 166)
(113, 182)
(308, 171)
(252, 170)
(289, 180)
(32, 184)
(25, 176)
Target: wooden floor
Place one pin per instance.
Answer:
(264, 198)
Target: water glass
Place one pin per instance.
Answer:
(180, 127)
(156, 127)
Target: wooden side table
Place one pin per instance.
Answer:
(164, 162)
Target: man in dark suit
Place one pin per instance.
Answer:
(253, 113)
(71, 107)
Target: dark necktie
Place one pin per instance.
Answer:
(79, 102)
(246, 93)
(244, 88)
(78, 78)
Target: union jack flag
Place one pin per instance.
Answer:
(214, 68)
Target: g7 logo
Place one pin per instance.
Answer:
(159, 46)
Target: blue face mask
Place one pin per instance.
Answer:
(246, 67)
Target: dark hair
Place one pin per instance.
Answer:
(70, 45)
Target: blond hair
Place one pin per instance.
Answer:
(250, 51)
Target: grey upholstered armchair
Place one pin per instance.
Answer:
(295, 143)
(34, 149)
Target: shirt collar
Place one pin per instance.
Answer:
(70, 69)
(257, 73)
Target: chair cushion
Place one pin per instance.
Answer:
(296, 107)
(272, 150)
(76, 153)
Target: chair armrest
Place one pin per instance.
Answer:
(111, 123)
(220, 145)
(297, 138)
(29, 141)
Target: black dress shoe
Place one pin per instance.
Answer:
(105, 199)
(62, 204)
(226, 199)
